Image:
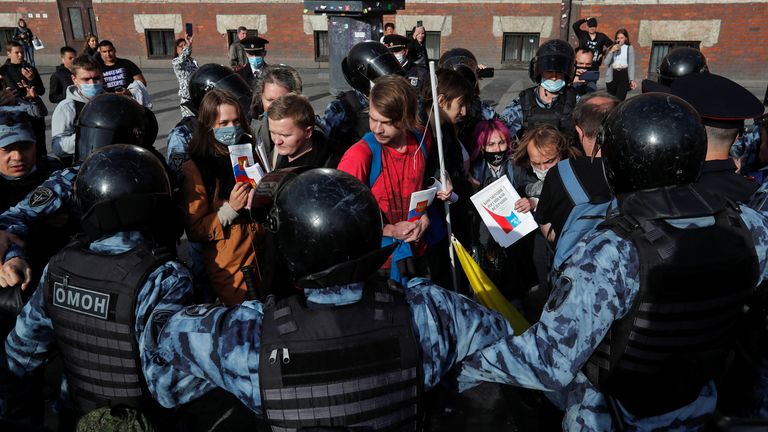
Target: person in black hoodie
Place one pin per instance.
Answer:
(292, 129)
(62, 76)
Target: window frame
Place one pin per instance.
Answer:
(171, 51)
(317, 36)
(521, 62)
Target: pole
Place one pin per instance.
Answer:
(439, 137)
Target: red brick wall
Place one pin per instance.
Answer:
(741, 51)
(47, 29)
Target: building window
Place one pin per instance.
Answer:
(92, 19)
(432, 42)
(519, 48)
(76, 23)
(321, 46)
(160, 43)
(660, 49)
(232, 35)
(6, 35)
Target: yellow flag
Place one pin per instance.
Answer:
(486, 291)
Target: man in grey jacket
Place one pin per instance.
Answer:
(237, 55)
(88, 83)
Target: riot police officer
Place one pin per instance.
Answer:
(97, 293)
(679, 62)
(345, 120)
(393, 346)
(107, 119)
(552, 99)
(642, 316)
(204, 79)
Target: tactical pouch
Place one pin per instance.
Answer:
(11, 301)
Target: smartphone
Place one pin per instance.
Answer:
(419, 23)
(189, 29)
(486, 73)
(590, 75)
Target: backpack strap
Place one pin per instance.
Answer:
(571, 182)
(375, 147)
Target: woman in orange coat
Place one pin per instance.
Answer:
(213, 202)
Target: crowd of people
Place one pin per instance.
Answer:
(313, 297)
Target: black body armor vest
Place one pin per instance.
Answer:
(91, 299)
(560, 115)
(355, 365)
(693, 286)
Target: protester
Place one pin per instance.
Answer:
(236, 52)
(211, 199)
(184, 66)
(417, 46)
(277, 81)
(62, 76)
(24, 36)
(401, 149)
(19, 73)
(120, 75)
(91, 47)
(620, 63)
(297, 141)
(87, 84)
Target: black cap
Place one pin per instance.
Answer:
(592, 22)
(720, 102)
(254, 44)
(395, 42)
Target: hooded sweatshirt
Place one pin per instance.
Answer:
(63, 122)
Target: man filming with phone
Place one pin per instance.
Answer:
(585, 80)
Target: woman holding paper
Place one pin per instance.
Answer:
(212, 200)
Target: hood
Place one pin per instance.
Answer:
(74, 94)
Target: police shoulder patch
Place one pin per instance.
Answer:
(414, 81)
(560, 292)
(40, 197)
(199, 310)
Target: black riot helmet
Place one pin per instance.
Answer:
(321, 219)
(110, 119)
(681, 62)
(652, 140)
(125, 187)
(367, 61)
(553, 56)
(211, 76)
(462, 61)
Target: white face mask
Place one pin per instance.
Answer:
(400, 57)
(540, 174)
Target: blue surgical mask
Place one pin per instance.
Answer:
(401, 57)
(256, 62)
(228, 135)
(553, 86)
(91, 90)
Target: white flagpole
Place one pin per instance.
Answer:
(439, 137)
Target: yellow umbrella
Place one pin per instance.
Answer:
(486, 291)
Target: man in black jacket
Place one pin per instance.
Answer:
(18, 73)
(62, 76)
(597, 42)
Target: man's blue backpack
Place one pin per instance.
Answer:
(583, 219)
(375, 148)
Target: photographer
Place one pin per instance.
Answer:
(586, 79)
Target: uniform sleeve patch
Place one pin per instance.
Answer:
(40, 197)
(200, 310)
(560, 292)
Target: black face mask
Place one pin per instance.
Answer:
(495, 158)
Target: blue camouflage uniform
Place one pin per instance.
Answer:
(32, 339)
(512, 116)
(50, 197)
(336, 115)
(604, 274)
(747, 150)
(178, 148)
(220, 345)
